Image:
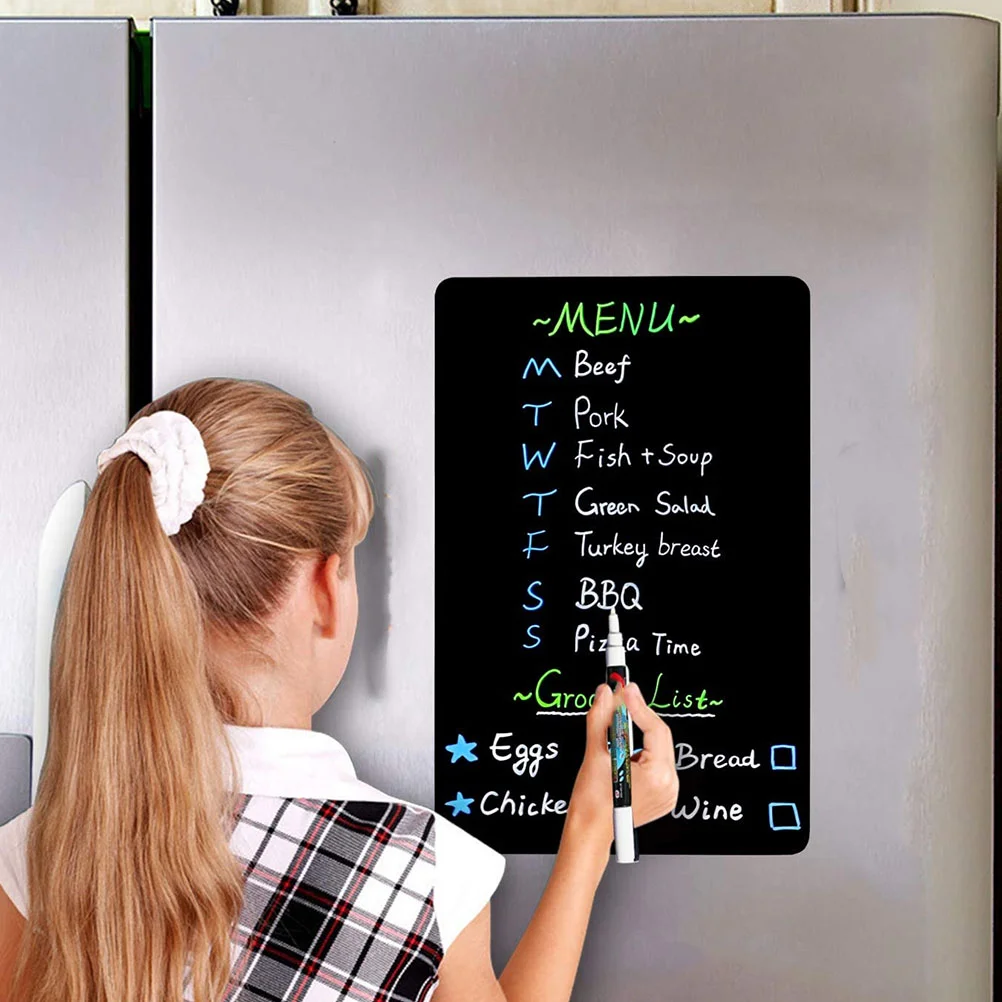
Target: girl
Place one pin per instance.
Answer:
(192, 837)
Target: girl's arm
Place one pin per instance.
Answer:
(544, 964)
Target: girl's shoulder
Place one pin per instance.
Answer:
(467, 870)
(313, 770)
(13, 860)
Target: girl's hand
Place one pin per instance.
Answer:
(654, 780)
(652, 769)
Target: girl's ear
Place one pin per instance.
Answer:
(325, 590)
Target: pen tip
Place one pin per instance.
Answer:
(613, 623)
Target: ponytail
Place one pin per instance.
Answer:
(133, 892)
(129, 870)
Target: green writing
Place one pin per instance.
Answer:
(557, 700)
(680, 701)
(614, 318)
(600, 317)
(550, 697)
(570, 322)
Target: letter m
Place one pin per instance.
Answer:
(533, 364)
(571, 321)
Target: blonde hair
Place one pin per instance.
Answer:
(132, 887)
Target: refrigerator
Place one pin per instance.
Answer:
(66, 142)
(309, 184)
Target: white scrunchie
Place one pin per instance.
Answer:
(172, 447)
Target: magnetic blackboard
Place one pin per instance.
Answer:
(643, 444)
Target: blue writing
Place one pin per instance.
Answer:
(536, 409)
(537, 455)
(533, 636)
(539, 507)
(532, 594)
(532, 363)
(530, 549)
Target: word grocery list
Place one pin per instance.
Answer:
(639, 445)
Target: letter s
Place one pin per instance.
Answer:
(532, 594)
(532, 636)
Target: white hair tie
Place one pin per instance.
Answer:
(172, 447)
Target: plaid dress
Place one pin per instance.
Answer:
(338, 901)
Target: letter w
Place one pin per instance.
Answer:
(537, 455)
(533, 364)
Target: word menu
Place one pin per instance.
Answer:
(639, 445)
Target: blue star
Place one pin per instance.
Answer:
(462, 749)
(461, 805)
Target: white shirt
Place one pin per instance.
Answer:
(295, 763)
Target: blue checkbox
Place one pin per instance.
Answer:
(787, 757)
(786, 813)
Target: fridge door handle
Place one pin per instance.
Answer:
(53, 557)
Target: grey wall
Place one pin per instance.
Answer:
(64, 104)
(314, 182)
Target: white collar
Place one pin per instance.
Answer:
(294, 762)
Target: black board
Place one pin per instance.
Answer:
(685, 457)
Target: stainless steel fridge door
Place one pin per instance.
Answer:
(315, 181)
(64, 269)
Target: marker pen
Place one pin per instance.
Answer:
(620, 747)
